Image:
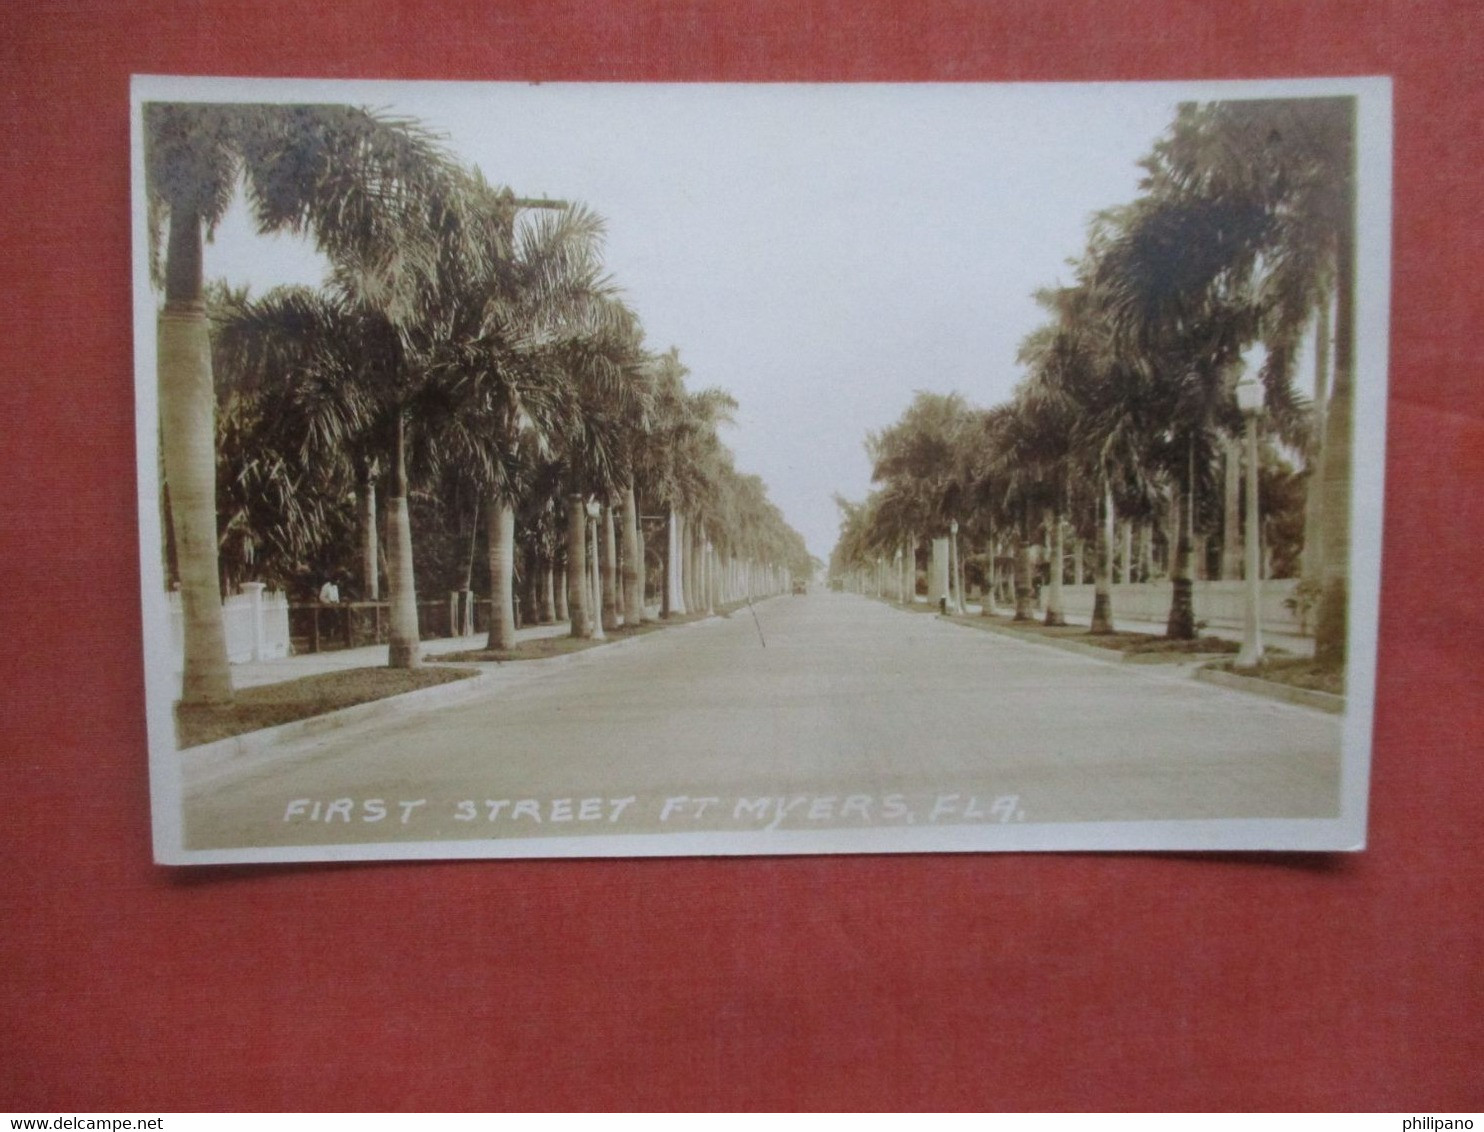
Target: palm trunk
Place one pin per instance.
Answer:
(1181, 623)
(986, 608)
(561, 596)
(548, 593)
(500, 524)
(1055, 611)
(530, 590)
(688, 565)
(577, 583)
(667, 568)
(674, 591)
(610, 592)
(641, 568)
(633, 562)
(1102, 600)
(402, 651)
(682, 558)
(1025, 593)
(366, 516)
(595, 581)
(1313, 558)
(188, 427)
(708, 571)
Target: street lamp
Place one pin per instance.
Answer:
(1249, 401)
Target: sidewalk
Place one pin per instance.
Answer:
(253, 673)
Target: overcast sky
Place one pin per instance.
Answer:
(820, 252)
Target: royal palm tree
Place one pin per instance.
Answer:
(350, 180)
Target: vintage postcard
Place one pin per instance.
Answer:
(630, 470)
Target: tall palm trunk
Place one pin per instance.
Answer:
(667, 570)
(366, 517)
(682, 563)
(674, 591)
(1313, 557)
(1025, 592)
(610, 551)
(688, 564)
(548, 593)
(633, 562)
(530, 589)
(1056, 613)
(642, 568)
(1181, 623)
(986, 607)
(188, 427)
(577, 581)
(599, 611)
(500, 530)
(402, 651)
(708, 571)
(1331, 626)
(561, 595)
(1102, 587)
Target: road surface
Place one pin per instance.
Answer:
(853, 714)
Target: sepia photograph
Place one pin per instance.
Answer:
(563, 470)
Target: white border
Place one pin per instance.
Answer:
(1373, 277)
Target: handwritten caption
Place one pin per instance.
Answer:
(674, 811)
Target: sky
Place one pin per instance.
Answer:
(821, 252)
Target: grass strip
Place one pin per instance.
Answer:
(271, 704)
(543, 648)
(1297, 672)
(1144, 647)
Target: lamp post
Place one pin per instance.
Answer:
(1249, 401)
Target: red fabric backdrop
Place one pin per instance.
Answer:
(1003, 982)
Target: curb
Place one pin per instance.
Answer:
(1303, 697)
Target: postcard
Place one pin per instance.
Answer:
(609, 470)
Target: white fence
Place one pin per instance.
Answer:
(257, 625)
(1216, 603)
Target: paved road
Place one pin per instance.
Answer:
(853, 714)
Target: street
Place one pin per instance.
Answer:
(853, 714)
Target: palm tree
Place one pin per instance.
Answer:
(1291, 164)
(327, 338)
(925, 458)
(601, 360)
(286, 452)
(350, 179)
(508, 332)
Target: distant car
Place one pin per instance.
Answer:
(799, 587)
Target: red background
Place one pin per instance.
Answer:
(1102, 981)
